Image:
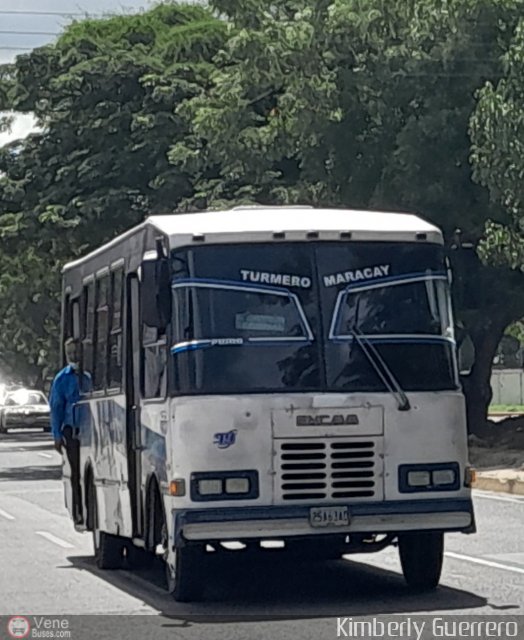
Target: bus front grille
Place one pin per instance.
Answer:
(328, 469)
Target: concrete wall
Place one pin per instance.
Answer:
(507, 386)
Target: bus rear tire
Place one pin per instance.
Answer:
(109, 549)
(421, 557)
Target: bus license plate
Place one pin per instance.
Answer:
(328, 516)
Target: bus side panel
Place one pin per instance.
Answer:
(154, 418)
(101, 423)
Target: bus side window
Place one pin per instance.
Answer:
(71, 319)
(115, 336)
(68, 317)
(88, 324)
(101, 333)
(69, 328)
(155, 363)
(75, 319)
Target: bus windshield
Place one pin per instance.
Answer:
(283, 317)
(236, 314)
(412, 305)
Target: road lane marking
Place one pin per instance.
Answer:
(10, 492)
(488, 496)
(6, 515)
(55, 539)
(514, 558)
(26, 446)
(486, 563)
(45, 455)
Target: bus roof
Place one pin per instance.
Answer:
(301, 219)
(292, 223)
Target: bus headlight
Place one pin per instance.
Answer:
(237, 485)
(437, 476)
(224, 485)
(419, 478)
(443, 476)
(210, 487)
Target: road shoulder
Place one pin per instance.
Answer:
(501, 480)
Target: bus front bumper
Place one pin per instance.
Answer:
(240, 523)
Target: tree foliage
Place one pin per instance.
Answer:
(105, 96)
(497, 131)
(349, 103)
(362, 104)
(354, 103)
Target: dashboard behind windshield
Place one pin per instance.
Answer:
(281, 317)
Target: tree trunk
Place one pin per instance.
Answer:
(485, 335)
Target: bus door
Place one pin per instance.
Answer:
(134, 436)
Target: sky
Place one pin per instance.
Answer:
(22, 125)
(25, 24)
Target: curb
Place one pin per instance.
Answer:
(501, 485)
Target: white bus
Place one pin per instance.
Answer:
(271, 373)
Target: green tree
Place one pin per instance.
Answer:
(497, 132)
(356, 103)
(105, 96)
(361, 104)
(430, 171)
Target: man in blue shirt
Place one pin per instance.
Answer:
(65, 393)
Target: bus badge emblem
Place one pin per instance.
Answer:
(327, 420)
(225, 439)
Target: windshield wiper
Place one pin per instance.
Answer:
(377, 361)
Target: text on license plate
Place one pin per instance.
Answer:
(328, 516)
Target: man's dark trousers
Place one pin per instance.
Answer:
(72, 447)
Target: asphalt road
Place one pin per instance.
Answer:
(47, 568)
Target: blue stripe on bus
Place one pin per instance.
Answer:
(246, 343)
(426, 340)
(232, 283)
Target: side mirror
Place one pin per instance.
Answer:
(155, 293)
(464, 267)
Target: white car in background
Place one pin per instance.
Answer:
(25, 409)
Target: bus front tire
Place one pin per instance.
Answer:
(186, 583)
(421, 557)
